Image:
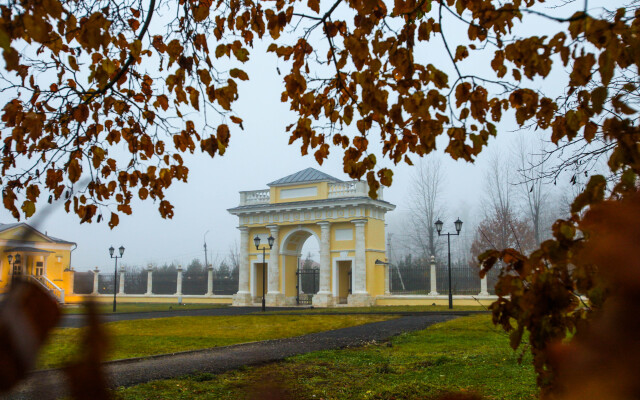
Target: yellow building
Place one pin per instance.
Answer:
(348, 225)
(25, 252)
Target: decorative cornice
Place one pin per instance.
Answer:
(312, 205)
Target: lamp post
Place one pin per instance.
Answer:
(115, 273)
(256, 240)
(13, 263)
(458, 225)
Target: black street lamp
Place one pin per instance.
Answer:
(13, 263)
(458, 225)
(256, 240)
(115, 273)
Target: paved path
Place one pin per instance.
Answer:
(79, 320)
(50, 384)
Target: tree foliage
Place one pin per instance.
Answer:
(85, 78)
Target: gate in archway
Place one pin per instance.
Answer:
(308, 284)
(348, 225)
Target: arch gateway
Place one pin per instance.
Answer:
(348, 225)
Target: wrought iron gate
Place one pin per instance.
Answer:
(307, 284)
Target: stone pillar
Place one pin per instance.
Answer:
(483, 287)
(149, 280)
(210, 280)
(179, 282)
(324, 297)
(360, 296)
(95, 281)
(274, 296)
(121, 286)
(432, 277)
(243, 296)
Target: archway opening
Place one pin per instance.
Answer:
(301, 251)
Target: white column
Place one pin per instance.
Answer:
(324, 297)
(243, 296)
(360, 296)
(121, 287)
(210, 280)
(434, 286)
(360, 281)
(274, 296)
(179, 281)
(149, 280)
(95, 280)
(483, 287)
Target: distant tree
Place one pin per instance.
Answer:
(195, 267)
(223, 270)
(308, 262)
(426, 206)
(503, 231)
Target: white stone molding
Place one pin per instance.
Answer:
(243, 296)
(149, 280)
(324, 297)
(360, 267)
(121, 286)
(210, 280)
(432, 278)
(483, 287)
(274, 296)
(96, 273)
(179, 282)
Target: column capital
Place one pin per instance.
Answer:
(359, 222)
(149, 267)
(210, 267)
(273, 228)
(243, 228)
(323, 223)
(179, 269)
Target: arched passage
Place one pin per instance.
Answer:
(347, 225)
(300, 283)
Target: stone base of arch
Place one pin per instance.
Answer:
(321, 299)
(242, 299)
(275, 299)
(360, 300)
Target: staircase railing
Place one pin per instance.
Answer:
(49, 286)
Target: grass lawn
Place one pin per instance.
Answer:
(467, 354)
(141, 338)
(375, 309)
(107, 308)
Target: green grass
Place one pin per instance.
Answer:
(467, 354)
(377, 309)
(107, 308)
(141, 338)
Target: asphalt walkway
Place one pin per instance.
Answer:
(51, 384)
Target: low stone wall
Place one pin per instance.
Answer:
(131, 298)
(418, 300)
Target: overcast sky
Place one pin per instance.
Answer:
(256, 156)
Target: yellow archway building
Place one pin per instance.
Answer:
(348, 225)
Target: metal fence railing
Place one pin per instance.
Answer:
(163, 283)
(83, 282)
(416, 279)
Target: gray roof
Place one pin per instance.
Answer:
(304, 176)
(6, 227)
